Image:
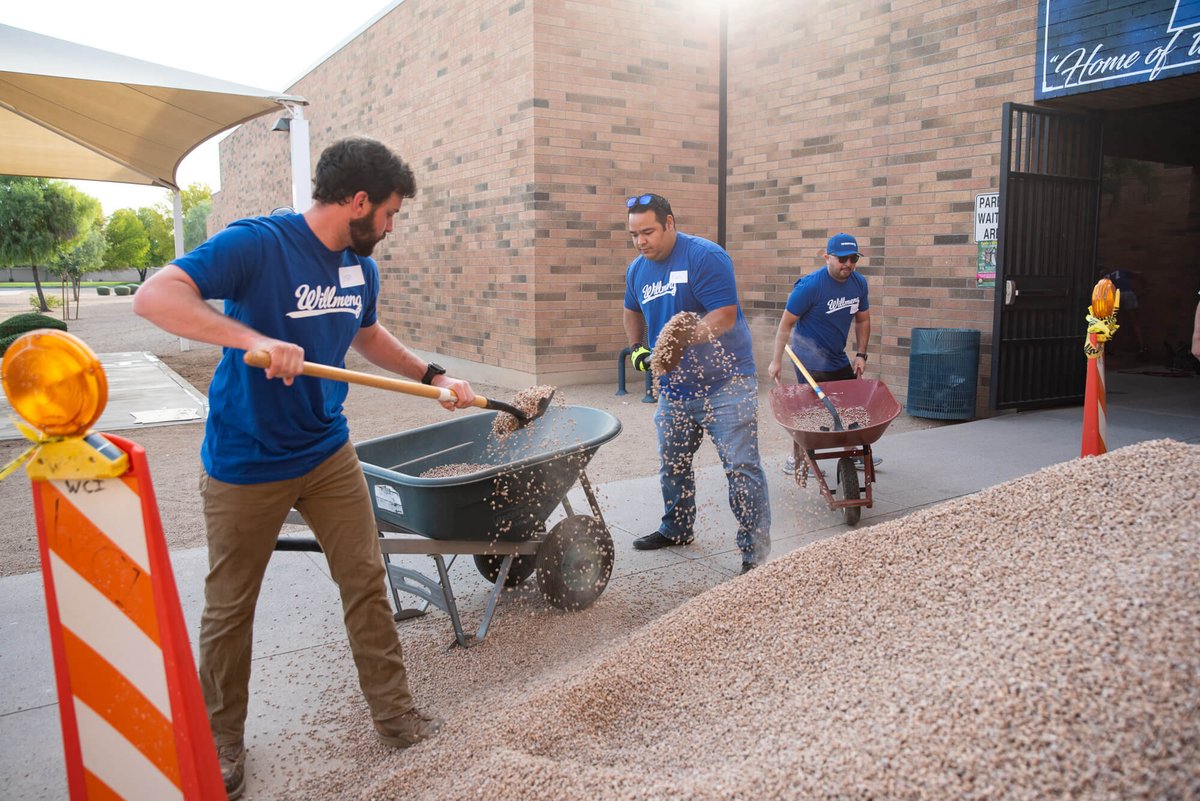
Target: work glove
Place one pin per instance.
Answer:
(640, 355)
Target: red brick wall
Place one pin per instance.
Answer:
(528, 123)
(882, 120)
(526, 132)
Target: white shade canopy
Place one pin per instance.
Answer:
(71, 111)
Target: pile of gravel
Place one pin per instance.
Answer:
(1038, 639)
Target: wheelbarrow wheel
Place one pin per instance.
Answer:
(522, 567)
(574, 562)
(848, 478)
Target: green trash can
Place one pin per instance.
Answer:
(943, 372)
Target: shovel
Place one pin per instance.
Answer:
(837, 421)
(260, 358)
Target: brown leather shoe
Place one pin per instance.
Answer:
(408, 729)
(232, 759)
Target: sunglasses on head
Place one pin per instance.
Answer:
(638, 200)
(852, 258)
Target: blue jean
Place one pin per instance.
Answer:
(730, 417)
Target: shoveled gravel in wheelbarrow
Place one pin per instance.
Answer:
(1035, 640)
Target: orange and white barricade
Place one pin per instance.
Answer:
(133, 719)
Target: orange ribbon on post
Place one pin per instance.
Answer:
(1102, 324)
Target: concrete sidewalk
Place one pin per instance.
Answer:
(299, 631)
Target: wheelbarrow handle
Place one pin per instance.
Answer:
(260, 358)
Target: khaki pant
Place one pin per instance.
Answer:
(243, 522)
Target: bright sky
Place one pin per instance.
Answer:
(251, 42)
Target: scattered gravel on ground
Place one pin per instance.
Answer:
(1035, 640)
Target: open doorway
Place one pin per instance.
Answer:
(1149, 231)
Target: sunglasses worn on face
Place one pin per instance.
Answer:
(638, 200)
(852, 258)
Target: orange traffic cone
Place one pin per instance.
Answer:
(1095, 408)
(133, 719)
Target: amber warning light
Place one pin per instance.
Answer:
(54, 381)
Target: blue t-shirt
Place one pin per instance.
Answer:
(826, 308)
(696, 277)
(277, 277)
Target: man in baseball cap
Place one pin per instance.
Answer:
(817, 320)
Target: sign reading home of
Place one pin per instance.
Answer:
(1086, 45)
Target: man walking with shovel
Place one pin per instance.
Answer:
(296, 287)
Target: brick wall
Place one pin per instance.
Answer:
(879, 119)
(630, 101)
(529, 123)
(526, 132)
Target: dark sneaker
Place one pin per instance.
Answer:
(232, 759)
(408, 729)
(747, 567)
(654, 540)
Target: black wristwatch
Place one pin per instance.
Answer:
(862, 356)
(431, 371)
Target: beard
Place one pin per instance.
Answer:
(363, 238)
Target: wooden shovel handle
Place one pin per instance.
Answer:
(260, 358)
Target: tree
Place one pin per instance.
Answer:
(84, 253)
(195, 225)
(194, 195)
(37, 217)
(162, 239)
(128, 244)
(197, 205)
(86, 256)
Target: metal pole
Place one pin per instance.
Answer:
(177, 199)
(301, 160)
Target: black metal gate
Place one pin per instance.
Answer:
(1050, 172)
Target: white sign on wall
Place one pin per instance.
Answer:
(987, 217)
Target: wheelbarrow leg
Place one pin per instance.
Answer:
(591, 498)
(451, 606)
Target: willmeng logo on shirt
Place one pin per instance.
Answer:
(318, 300)
(843, 303)
(656, 290)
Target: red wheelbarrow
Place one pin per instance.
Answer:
(792, 401)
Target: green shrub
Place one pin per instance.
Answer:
(121, 290)
(6, 341)
(133, 288)
(53, 301)
(103, 290)
(18, 325)
(14, 326)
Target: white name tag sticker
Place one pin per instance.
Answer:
(679, 276)
(350, 276)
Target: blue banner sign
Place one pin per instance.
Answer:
(1087, 45)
